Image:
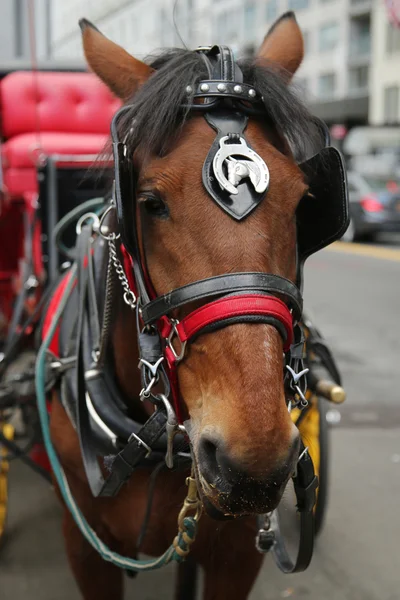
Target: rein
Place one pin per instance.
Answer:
(187, 525)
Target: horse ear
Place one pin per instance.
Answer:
(284, 44)
(120, 71)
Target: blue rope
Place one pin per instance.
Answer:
(190, 530)
(90, 535)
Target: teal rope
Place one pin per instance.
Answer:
(94, 205)
(90, 535)
(190, 526)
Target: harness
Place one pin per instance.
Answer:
(237, 179)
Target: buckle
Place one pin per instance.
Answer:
(172, 429)
(141, 443)
(265, 538)
(174, 332)
(297, 386)
(150, 376)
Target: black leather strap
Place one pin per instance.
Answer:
(223, 63)
(227, 62)
(224, 284)
(305, 485)
(134, 452)
(85, 434)
(93, 309)
(225, 122)
(125, 199)
(232, 89)
(249, 318)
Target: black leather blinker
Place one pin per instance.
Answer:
(125, 200)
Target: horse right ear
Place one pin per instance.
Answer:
(284, 45)
(120, 71)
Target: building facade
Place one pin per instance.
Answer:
(351, 71)
(19, 29)
(385, 69)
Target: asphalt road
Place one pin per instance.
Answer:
(354, 297)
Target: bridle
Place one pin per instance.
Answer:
(226, 299)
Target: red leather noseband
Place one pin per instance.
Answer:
(229, 310)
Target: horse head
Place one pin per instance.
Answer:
(244, 443)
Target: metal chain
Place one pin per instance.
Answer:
(129, 297)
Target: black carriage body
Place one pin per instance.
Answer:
(62, 187)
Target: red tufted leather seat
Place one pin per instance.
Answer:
(50, 113)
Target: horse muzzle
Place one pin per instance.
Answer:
(231, 489)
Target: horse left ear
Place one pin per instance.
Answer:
(284, 44)
(120, 71)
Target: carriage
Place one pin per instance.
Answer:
(46, 170)
(48, 196)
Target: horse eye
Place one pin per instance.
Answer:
(156, 207)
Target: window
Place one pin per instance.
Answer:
(326, 85)
(307, 40)
(391, 102)
(249, 19)
(392, 39)
(328, 36)
(297, 4)
(358, 79)
(272, 10)
(360, 36)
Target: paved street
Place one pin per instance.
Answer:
(353, 295)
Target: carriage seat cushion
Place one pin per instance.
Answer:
(22, 151)
(55, 102)
(50, 113)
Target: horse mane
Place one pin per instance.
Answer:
(157, 113)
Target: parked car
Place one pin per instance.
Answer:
(374, 206)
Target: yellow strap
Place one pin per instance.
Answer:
(309, 431)
(8, 432)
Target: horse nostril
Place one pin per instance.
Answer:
(207, 454)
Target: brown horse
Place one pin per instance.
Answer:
(231, 380)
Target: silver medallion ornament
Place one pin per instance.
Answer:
(230, 170)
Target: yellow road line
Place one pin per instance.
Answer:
(366, 250)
